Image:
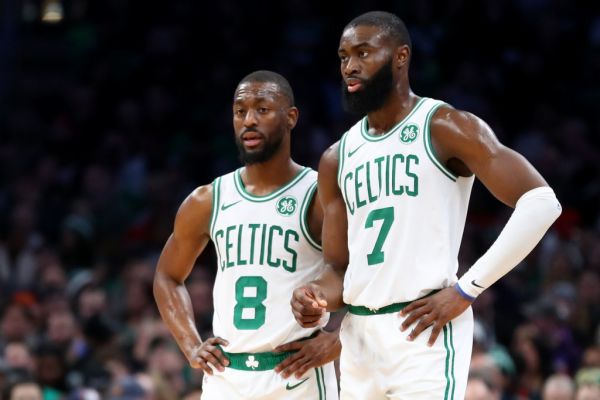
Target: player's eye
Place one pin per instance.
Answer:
(363, 53)
(343, 58)
(263, 110)
(238, 112)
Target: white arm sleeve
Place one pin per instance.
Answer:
(535, 211)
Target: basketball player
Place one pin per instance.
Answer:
(395, 191)
(265, 222)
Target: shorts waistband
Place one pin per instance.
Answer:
(391, 308)
(264, 361)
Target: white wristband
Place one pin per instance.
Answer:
(534, 213)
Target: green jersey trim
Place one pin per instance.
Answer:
(429, 147)
(449, 364)
(341, 150)
(239, 185)
(372, 138)
(215, 206)
(304, 217)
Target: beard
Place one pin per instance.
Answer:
(374, 93)
(257, 156)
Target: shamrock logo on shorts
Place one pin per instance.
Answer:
(251, 362)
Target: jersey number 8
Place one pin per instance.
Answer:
(249, 299)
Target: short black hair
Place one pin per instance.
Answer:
(393, 26)
(271, 77)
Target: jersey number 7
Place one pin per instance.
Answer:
(377, 256)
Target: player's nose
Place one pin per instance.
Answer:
(250, 119)
(352, 67)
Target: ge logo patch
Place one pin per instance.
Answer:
(409, 133)
(287, 205)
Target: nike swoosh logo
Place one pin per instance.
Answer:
(351, 153)
(226, 206)
(474, 284)
(290, 387)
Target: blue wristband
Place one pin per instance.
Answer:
(462, 293)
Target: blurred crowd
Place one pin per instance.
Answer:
(111, 112)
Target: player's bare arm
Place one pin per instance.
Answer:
(326, 346)
(461, 139)
(189, 238)
(315, 217)
(466, 144)
(311, 301)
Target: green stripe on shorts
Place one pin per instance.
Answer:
(319, 384)
(449, 368)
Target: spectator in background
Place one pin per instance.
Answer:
(18, 267)
(559, 387)
(17, 324)
(591, 357)
(64, 332)
(51, 369)
(588, 392)
(532, 360)
(25, 390)
(588, 384)
(90, 302)
(84, 394)
(166, 367)
(128, 389)
(480, 387)
(485, 367)
(17, 355)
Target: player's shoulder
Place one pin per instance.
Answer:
(452, 122)
(202, 194)
(195, 212)
(197, 206)
(206, 193)
(331, 155)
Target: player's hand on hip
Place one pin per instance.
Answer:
(209, 352)
(435, 310)
(310, 353)
(308, 305)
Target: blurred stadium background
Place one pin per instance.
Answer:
(111, 112)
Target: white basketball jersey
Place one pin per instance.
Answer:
(406, 212)
(264, 252)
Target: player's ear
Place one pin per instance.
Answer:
(401, 56)
(292, 117)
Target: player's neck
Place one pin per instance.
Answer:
(263, 178)
(398, 106)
